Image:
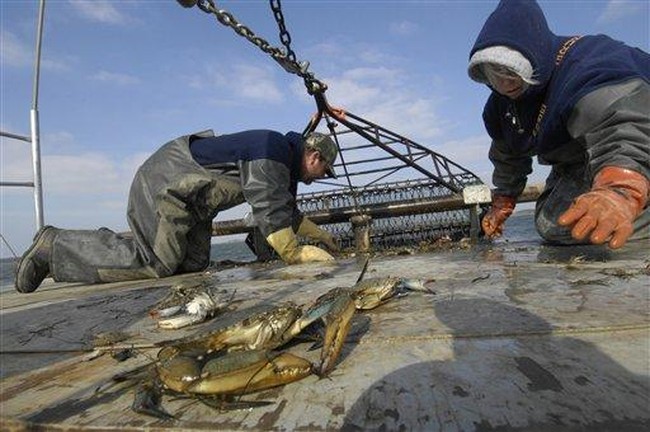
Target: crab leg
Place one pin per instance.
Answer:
(178, 369)
(147, 401)
(337, 324)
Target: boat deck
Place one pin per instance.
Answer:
(518, 336)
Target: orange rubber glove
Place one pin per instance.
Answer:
(493, 221)
(608, 210)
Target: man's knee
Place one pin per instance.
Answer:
(193, 265)
(551, 231)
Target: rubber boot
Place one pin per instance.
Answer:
(34, 266)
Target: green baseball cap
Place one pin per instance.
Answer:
(326, 147)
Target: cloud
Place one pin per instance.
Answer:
(101, 11)
(16, 163)
(386, 97)
(380, 87)
(351, 92)
(89, 173)
(470, 152)
(330, 49)
(247, 81)
(381, 75)
(83, 173)
(212, 77)
(403, 28)
(58, 141)
(618, 10)
(17, 53)
(373, 55)
(14, 52)
(257, 83)
(115, 78)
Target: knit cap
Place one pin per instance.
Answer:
(503, 56)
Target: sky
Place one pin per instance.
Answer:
(121, 78)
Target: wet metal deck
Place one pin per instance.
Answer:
(517, 337)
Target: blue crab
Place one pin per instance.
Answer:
(243, 358)
(190, 302)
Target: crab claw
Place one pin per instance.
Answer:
(181, 321)
(416, 285)
(337, 323)
(197, 310)
(242, 372)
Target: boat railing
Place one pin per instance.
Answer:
(34, 138)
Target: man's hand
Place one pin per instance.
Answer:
(330, 242)
(309, 229)
(285, 243)
(493, 221)
(608, 211)
(307, 254)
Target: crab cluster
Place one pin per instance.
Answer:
(243, 357)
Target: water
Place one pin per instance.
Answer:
(231, 251)
(7, 269)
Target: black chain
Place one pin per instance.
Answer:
(285, 37)
(285, 57)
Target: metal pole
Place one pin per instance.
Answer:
(34, 121)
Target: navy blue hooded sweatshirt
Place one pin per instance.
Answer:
(585, 64)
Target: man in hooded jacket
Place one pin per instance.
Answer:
(581, 105)
(174, 197)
